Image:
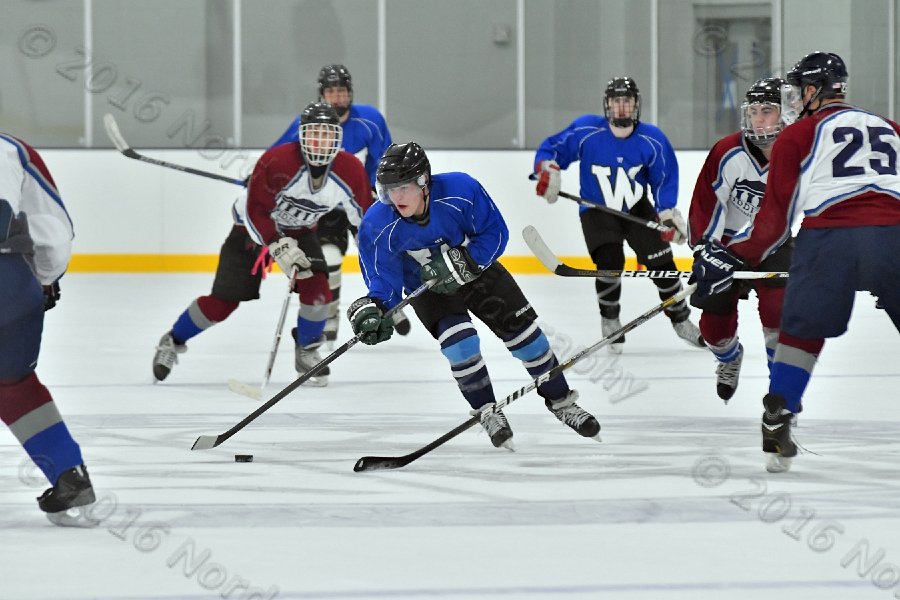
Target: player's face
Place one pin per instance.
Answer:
(763, 117)
(408, 199)
(621, 107)
(320, 142)
(338, 97)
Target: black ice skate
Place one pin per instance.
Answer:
(166, 356)
(306, 357)
(727, 374)
(73, 489)
(609, 327)
(776, 434)
(401, 323)
(496, 425)
(567, 411)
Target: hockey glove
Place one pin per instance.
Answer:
(548, 181)
(288, 255)
(453, 269)
(51, 295)
(713, 269)
(368, 321)
(671, 218)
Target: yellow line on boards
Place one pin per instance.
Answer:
(206, 263)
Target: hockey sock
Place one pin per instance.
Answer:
(609, 289)
(726, 350)
(794, 361)
(28, 409)
(532, 347)
(203, 313)
(718, 330)
(315, 296)
(460, 344)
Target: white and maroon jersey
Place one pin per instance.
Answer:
(836, 168)
(33, 219)
(728, 192)
(281, 198)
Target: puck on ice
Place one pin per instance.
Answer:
(243, 458)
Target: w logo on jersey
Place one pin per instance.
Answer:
(626, 193)
(746, 196)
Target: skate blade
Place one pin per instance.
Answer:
(239, 387)
(509, 445)
(74, 517)
(778, 464)
(596, 438)
(320, 381)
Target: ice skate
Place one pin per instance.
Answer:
(566, 410)
(727, 374)
(166, 356)
(331, 331)
(609, 327)
(776, 435)
(64, 501)
(401, 323)
(496, 425)
(689, 332)
(305, 358)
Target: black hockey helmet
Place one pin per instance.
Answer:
(766, 91)
(618, 87)
(825, 70)
(336, 76)
(400, 164)
(320, 133)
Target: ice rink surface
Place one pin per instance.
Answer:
(675, 503)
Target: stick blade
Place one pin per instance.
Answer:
(205, 442)
(115, 136)
(380, 463)
(540, 249)
(239, 387)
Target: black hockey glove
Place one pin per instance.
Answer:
(51, 295)
(453, 269)
(714, 268)
(368, 321)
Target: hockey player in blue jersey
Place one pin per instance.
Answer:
(446, 227)
(622, 160)
(366, 135)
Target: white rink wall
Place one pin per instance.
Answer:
(123, 206)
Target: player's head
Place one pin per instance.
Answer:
(403, 177)
(321, 134)
(622, 102)
(336, 87)
(818, 76)
(761, 113)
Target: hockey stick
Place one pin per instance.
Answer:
(553, 264)
(112, 130)
(240, 387)
(616, 213)
(375, 463)
(205, 442)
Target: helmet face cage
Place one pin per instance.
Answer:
(400, 165)
(622, 87)
(320, 142)
(765, 92)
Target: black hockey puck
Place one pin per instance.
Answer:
(243, 458)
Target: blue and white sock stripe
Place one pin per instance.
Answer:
(727, 351)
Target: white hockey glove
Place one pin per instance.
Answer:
(548, 181)
(288, 255)
(672, 218)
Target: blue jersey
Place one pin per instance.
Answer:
(616, 172)
(365, 135)
(392, 249)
